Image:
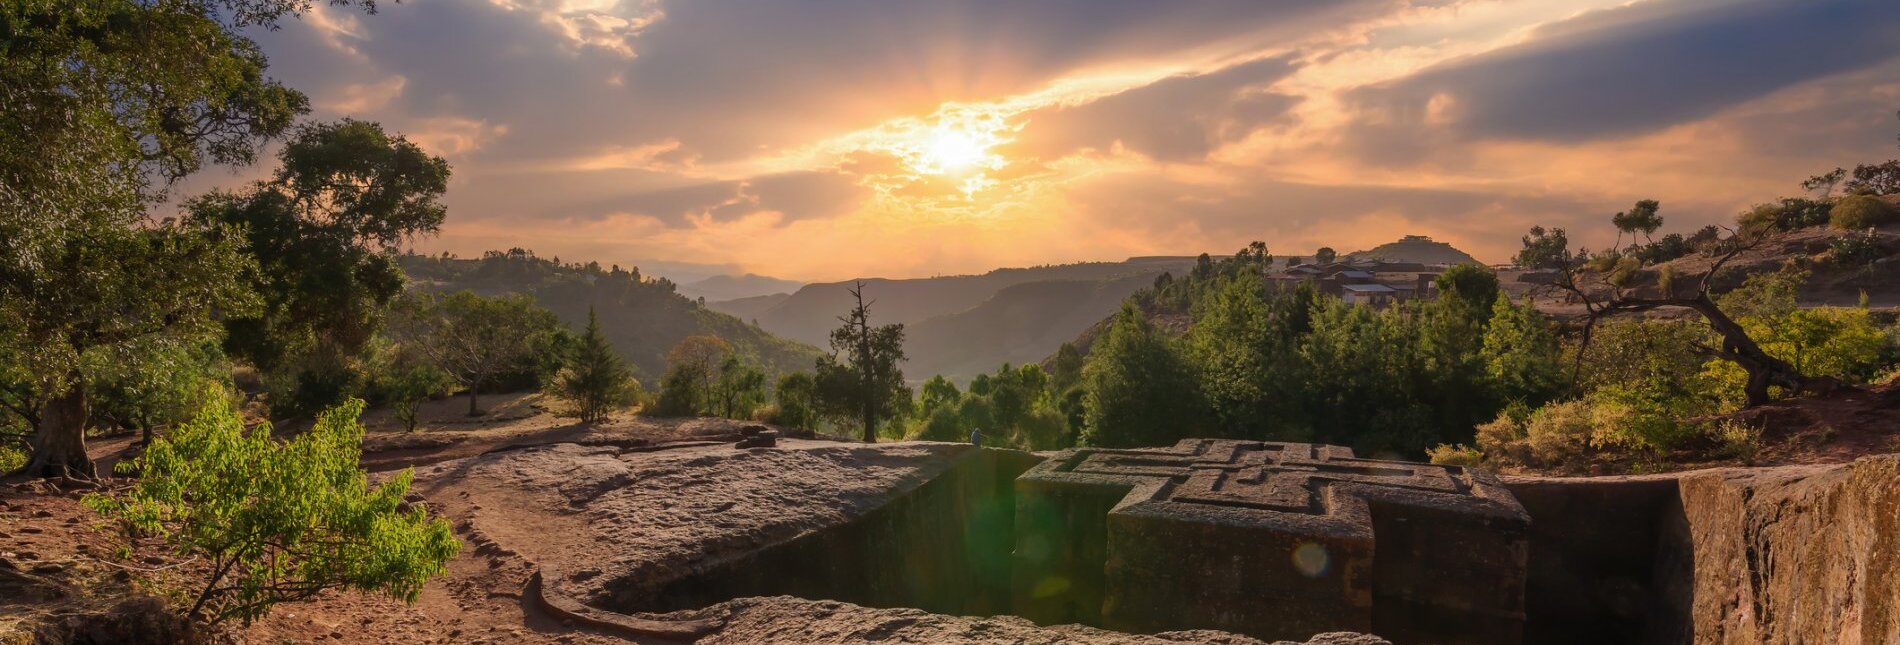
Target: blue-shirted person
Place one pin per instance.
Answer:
(976, 437)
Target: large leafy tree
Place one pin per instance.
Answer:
(103, 104)
(860, 379)
(1141, 390)
(323, 233)
(475, 338)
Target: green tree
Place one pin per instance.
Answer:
(596, 380)
(739, 390)
(279, 521)
(474, 338)
(409, 386)
(1643, 217)
(153, 381)
(1325, 255)
(860, 379)
(1231, 346)
(1545, 249)
(794, 396)
(1140, 390)
(1066, 370)
(323, 233)
(1522, 356)
(103, 105)
(938, 392)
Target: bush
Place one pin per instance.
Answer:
(1559, 434)
(1857, 212)
(1787, 215)
(1856, 250)
(279, 521)
(1458, 455)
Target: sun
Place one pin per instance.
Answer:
(948, 151)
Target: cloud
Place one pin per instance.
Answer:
(1178, 118)
(786, 138)
(1641, 67)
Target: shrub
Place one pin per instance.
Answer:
(1559, 434)
(1458, 455)
(278, 521)
(1857, 212)
(1856, 250)
(1786, 215)
(1640, 416)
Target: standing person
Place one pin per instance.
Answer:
(976, 437)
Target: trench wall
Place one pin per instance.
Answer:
(1796, 554)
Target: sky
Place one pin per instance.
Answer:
(829, 139)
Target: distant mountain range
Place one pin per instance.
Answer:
(963, 325)
(733, 287)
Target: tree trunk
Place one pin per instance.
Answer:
(1764, 370)
(59, 445)
(870, 425)
(472, 410)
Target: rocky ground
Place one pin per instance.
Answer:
(614, 504)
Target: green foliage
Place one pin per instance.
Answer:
(682, 393)
(1787, 215)
(476, 339)
(322, 233)
(103, 104)
(152, 382)
(409, 387)
(1875, 179)
(642, 317)
(1141, 390)
(1642, 217)
(739, 390)
(1545, 249)
(1455, 455)
(705, 376)
(1856, 250)
(1522, 355)
(794, 402)
(1670, 247)
(1246, 360)
(1856, 212)
(1066, 371)
(1841, 342)
(861, 379)
(1325, 255)
(1015, 407)
(595, 380)
(279, 521)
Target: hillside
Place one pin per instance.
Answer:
(644, 318)
(1415, 248)
(747, 308)
(1020, 324)
(810, 312)
(732, 287)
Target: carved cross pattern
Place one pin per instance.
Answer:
(1285, 477)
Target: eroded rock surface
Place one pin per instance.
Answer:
(785, 619)
(1799, 554)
